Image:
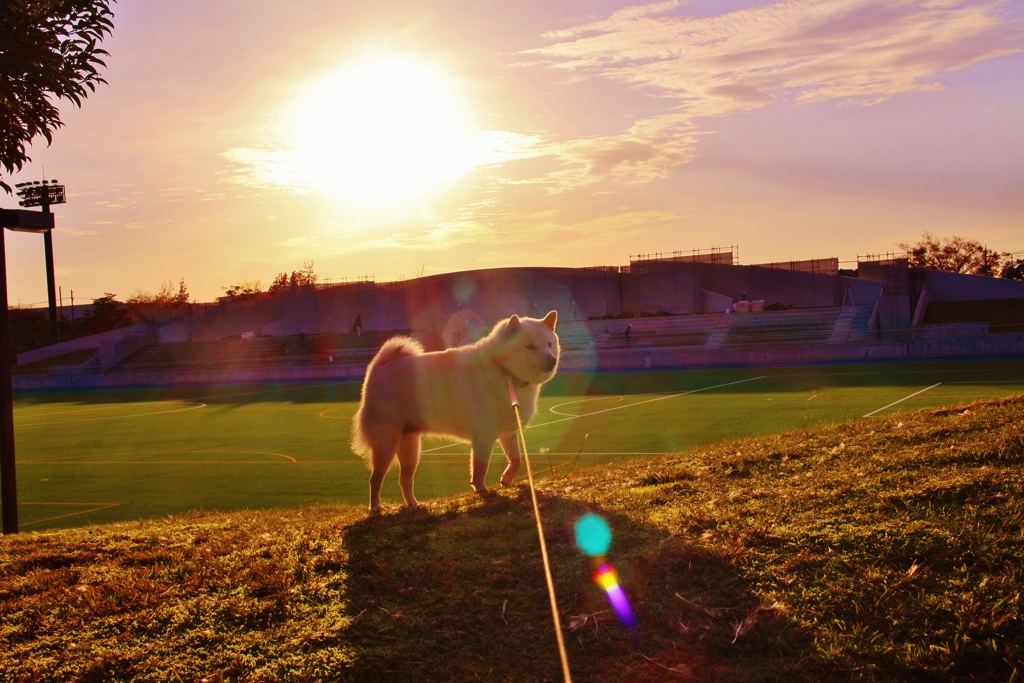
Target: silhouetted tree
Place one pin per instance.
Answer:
(48, 52)
(280, 283)
(1013, 269)
(245, 289)
(142, 305)
(107, 313)
(955, 255)
(304, 278)
(29, 329)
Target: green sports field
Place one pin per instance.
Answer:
(99, 456)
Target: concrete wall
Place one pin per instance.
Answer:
(956, 287)
(861, 291)
(793, 288)
(426, 304)
(713, 302)
(675, 292)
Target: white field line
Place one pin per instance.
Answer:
(36, 416)
(607, 410)
(640, 403)
(613, 399)
(100, 506)
(916, 393)
(191, 406)
(33, 416)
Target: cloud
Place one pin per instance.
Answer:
(851, 51)
(741, 93)
(281, 167)
(499, 234)
(300, 242)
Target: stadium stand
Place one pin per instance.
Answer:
(675, 311)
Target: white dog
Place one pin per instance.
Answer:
(461, 392)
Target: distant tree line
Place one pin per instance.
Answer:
(297, 280)
(30, 327)
(959, 255)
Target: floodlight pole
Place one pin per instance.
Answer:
(50, 279)
(43, 194)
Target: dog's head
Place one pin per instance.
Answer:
(530, 347)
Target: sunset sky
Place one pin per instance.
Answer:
(239, 138)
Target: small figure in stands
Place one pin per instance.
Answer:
(744, 297)
(629, 332)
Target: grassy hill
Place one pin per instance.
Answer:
(881, 549)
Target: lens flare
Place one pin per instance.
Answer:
(593, 535)
(593, 538)
(607, 578)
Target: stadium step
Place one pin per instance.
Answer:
(718, 335)
(843, 326)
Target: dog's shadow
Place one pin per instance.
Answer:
(456, 590)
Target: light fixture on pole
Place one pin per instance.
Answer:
(45, 193)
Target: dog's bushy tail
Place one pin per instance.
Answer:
(393, 348)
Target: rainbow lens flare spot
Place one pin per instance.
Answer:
(608, 579)
(593, 535)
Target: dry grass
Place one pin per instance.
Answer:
(885, 549)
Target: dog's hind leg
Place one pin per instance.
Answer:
(384, 447)
(510, 444)
(408, 459)
(481, 458)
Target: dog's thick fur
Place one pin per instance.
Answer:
(461, 392)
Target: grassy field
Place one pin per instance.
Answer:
(876, 549)
(94, 457)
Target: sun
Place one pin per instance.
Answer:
(383, 133)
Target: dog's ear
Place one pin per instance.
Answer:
(550, 319)
(513, 325)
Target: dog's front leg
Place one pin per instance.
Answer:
(510, 444)
(481, 458)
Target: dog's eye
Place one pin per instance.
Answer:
(531, 347)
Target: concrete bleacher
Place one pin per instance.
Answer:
(763, 337)
(708, 331)
(656, 331)
(808, 326)
(235, 353)
(845, 325)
